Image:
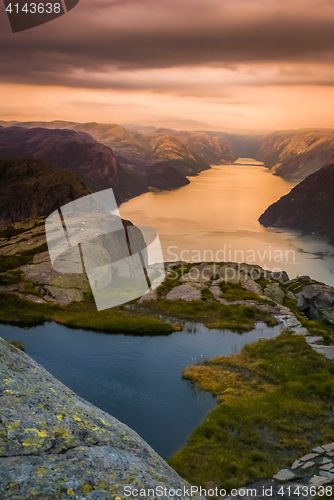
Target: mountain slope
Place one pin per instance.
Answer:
(309, 206)
(294, 155)
(94, 163)
(129, 151)
(210, 149)
(32, 189)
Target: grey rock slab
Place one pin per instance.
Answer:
(53, 442)
(327, 351)
(307, 465)
(323, 460)
(22, 246)
(328, 447)
(319, 481)
(300, 330)
(284, 475)
(307, 458)
(330, 453)
(325, 473)
(189, 291)
(328, 466)
(296, 464)
(150, 295)
(292, 321)
(314, 340)
(34, 298)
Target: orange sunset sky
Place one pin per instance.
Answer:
(231, 65)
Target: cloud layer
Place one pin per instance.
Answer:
(193, 48)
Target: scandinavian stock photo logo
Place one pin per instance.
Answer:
(122, 262)
(24, 15)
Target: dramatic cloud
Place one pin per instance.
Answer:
(191, 48)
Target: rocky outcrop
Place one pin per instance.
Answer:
(56, 446)
(298, 153)
(32, 188)
(317, 301)
(309, 206)
(275, 293)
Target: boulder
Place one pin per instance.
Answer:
(57, 446)
(248, 284)
(275, 293)
(317, 301)
(189, 291)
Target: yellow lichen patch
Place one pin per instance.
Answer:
(39, 433)
(86, 488)
(76, 418)
(52, 390)
(70, 492)
(14, 425)
(106, 423)
(9, 391)
(13, 486)
(60, 417)
(7, 381)
(41, 471)
(118, 498)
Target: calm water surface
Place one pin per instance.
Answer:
(136, 379)
(215, 218)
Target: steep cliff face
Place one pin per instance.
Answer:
(296, 154)
(56, 446)
(32, 188)
(309, 206)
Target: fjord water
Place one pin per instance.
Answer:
(215, 218)
(136, 379)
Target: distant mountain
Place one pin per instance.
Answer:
(309, 206)
(129, 151)
(294, 155)
(209, 149)
(32, 188)
(93, 162)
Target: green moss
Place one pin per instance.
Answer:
(17, 344)
(237, 318)
(232, 291)
(17, 311)
(275, 401)
(11, 278)
(206, 294)
(9, 262)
